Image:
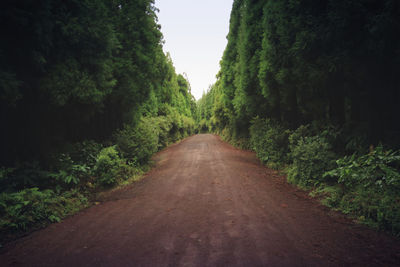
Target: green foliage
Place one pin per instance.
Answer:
(202, 126)
(370, 186)
(107, 165)
(311, 158)
(85, 152)
(70, 172)
(164, 125)
(137, 144)
(371, 170)
(31, 207)
(298, 134)
(72, 175)
(270, 141)
(188, 126)
(282, 62)
(78, 71)
(111, 169)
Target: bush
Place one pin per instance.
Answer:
(107, 165)
(311, 158)
(138, 144)
(164, 126)
(270, 141)
(187, 126)
(32, 207)
(70, 173)
(110, 169)
(370, 187)
(203, 126)
(298, 134)
(175, 132)
(85, 152)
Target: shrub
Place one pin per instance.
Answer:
(32, 207)
(311, 158)
(138, 144)
(370, 187)
(298, 134)
(85, 152)
(203, 126)
(270, 141)
(164, 126)
(107, 164)
(187, 126)
(226, 134)
(69, 173)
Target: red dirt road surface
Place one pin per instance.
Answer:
(205, 204)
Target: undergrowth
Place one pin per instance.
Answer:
(369, 188)
(365, 184)
(33, 195)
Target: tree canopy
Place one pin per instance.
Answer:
(77, 70)
(299, 62)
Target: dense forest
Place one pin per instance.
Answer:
(87, 96)
(313, 87)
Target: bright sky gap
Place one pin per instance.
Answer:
(195, 36)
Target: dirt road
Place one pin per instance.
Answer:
(205, 204)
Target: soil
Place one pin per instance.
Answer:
(205, 203)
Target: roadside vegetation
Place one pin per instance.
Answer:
(87, 97)
(313, 88)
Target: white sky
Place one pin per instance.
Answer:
(195, 35)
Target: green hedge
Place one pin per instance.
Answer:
(366, 186)
(270, 141)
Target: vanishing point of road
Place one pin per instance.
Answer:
(205, 203)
